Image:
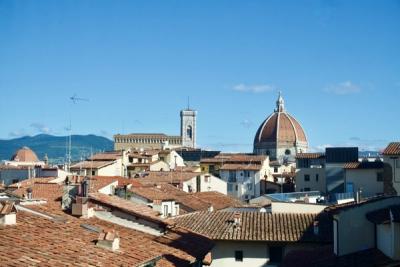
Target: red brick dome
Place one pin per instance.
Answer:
(280, 135)
(25, 154)
(280, 127)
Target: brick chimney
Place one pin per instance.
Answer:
(108, 240)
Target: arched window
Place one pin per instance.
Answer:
(189, 131)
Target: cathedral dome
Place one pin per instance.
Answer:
(280, 131)
(25, 154)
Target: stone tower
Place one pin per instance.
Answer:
(188, 128)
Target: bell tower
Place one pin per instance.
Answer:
(188, 127)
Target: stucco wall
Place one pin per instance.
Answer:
(366, 180)
(384, 239)
(284, 207)
(313, 184)
(395, 171)
(355, 232)
(255, 254)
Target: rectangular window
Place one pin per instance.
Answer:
(275, 254)
(165, 210)
(275, 169)
(306, 189)
(306, 177)
(239, 255)
(93, 172)
(246, 173)
(249, 186)
(379, 176)
(398, 163)
(206, 179)
(232, 176)
(316, 177)
(230, 187)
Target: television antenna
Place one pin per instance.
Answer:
(74, 99)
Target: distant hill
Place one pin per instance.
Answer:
(55, 146)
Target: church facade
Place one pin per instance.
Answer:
(160, 140)
(280, 136)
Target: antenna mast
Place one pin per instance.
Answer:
(75, 99)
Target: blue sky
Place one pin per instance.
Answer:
(336, 62)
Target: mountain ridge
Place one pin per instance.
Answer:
(56, 146)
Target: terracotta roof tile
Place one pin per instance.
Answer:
(106, 156)
(218, 200)
(250, 167)
(310, 156)
(28, 182)
(253, 226)
(139, 210)
(392, 149)
(91, 164)
(364, 165)
(235, 158)
(47, 191)
(166, 177)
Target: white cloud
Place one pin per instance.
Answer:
(40, 127)
(253, 88)
(18, 133)
(320, 148)
(246, 123)
(343, 88)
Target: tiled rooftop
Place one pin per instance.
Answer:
(91, 164)
(235, 158)
(36, 241)
(249, 167)
(254, 226)
(188, 201)
(166, 177)
(31, 181)
(310, 156)
(139, 210)
(106, 156)
(348, 205)
(364, 165)
(218, 200)
(47, 191)
(392, 149)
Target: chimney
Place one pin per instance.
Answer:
(81, 208)
(316, 227)
(8, 213)
(236, 219)
(211, 208)
(29, 193)
(108, 240)
(85, 187)
(358, 195)
(306, 199)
